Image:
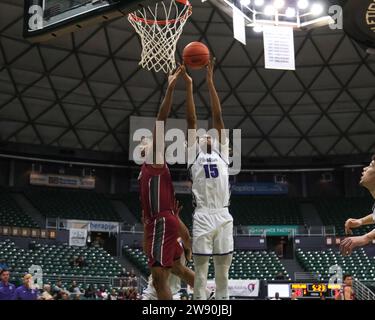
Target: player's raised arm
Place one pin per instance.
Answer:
(163, 114)
(191, 116)
(356, 223)
(217, 118)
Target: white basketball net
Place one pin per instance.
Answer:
(159, 29)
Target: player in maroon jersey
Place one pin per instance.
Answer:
(162, 226)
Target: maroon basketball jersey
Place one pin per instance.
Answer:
(156, 190)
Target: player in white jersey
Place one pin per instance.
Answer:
(209, 172)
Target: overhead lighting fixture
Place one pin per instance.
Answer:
(269, 10)
(303, 4)
(258, 28)
(259, 3)
(278, 4)
(245, 2)
(317, 9)
(290, 12)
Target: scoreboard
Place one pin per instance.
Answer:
(315, 290)
(46, 19)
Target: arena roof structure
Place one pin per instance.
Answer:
(79, 90)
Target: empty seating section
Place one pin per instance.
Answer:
(359, 265)
(248, 210)
(336, 211)
(54, 260)
(11, 214)
(72, 204)
(137, 257)
(246, 264)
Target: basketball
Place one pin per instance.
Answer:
(196, 55)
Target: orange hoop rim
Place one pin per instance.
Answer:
(186, 3)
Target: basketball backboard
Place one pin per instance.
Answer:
(46, 19)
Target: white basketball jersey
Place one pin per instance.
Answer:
(209, 173)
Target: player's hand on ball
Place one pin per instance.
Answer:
(349, 244)
(352, 224)
(172, 78)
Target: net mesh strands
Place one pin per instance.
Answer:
(160, 29)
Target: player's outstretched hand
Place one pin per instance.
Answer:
(173, 76)
(185, 75)
(210, 69)
(349, 244)
(352, 224)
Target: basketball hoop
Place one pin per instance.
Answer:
(160, 28)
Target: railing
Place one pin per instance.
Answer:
(361, 291)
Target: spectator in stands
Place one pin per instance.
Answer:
(57, 289)
(74, 288)
(122, 294)
(277, 296)
(123, 272)
(132, 294)
(73, 262)
(135, 244)
(90, 292)
(133, 280)
(65, 295)
(101, 293)
(26, 292)
(81, 262)
(3, 264)
(112, 295)
(46, 295)
(349, 244)
(280, 276)
(7, 290)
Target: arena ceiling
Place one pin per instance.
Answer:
(78, 91)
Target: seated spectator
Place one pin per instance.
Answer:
(81, 262)
(26, 292)
(77, 297)
(133, 280)
(65, 295)
(3, 264)
(121, 294)
(135, 244)
(123, 272)
(279, 276)
(57, 289)
(73, 262)
(112, 295)
(102, 294)
(7, 290)
(74, 288)
(132, 294)
(46, 295)
(90, 292)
